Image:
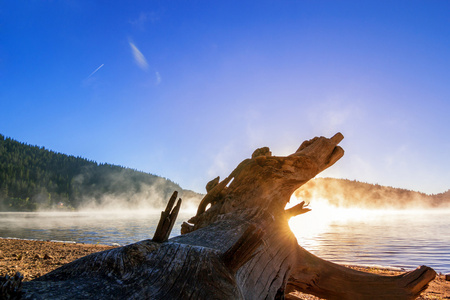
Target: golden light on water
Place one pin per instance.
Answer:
(323, 215)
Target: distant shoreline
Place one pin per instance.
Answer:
(34, 258)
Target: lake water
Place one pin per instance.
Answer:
(402, 239)
(395, 238)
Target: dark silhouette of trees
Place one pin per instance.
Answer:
(33, 177)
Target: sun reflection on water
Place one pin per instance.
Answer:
(401, 238)
(322, 216)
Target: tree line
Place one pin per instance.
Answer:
(33, 178)
(352, 193)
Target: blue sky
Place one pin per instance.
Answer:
(188, 89)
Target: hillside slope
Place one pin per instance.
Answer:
(34, 178)
(348, 193)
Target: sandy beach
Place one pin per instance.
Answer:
(35, 258)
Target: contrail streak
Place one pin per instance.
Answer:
(96, 70)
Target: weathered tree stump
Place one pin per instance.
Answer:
(240, 247)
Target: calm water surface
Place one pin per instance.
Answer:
(110, 228)
(404, 239)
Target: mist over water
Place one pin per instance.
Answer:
(352, 193)
(384, 237)
(106, 227)
(119, 192)
(155, 202)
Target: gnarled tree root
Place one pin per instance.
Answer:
(237, 246)
(325, 279)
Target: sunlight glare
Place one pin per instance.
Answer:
(323, 215)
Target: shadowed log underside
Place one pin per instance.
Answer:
(237, 246)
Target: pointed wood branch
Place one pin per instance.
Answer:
(297, 210)
(167, 220)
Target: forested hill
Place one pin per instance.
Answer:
(34, 178)
(352, 193)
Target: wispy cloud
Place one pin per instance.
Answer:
(158, 77)
(139, 58)
(220, 164)
(144, 17)
(95, 71)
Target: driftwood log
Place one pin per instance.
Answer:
(238, 246)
